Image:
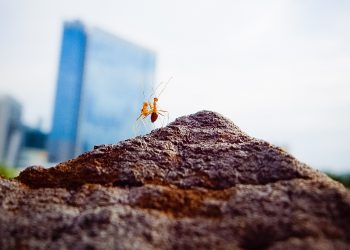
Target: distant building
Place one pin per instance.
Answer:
(33, 150)
(34, 138)
(10, 130)
(100, 86)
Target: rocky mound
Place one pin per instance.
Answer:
(199, 183)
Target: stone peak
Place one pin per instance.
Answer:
(203, 150)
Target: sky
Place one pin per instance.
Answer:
(278, 69)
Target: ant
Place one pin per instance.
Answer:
(149, 108)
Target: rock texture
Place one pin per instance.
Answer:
(199, 183)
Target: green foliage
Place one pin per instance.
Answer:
(344, 179)
(7, 172)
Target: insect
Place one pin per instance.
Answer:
(151, 108)
(145, 111)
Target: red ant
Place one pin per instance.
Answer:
(149, 108)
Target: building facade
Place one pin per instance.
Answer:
(101, 82)
(68, 91)
(33, 149)
(10, 130)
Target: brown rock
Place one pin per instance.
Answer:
(199, 183)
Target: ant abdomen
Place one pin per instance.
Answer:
(154, 117)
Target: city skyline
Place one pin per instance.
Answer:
(277, 69)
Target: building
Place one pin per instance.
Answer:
(33, 149)
(101, 82)
(10, 130)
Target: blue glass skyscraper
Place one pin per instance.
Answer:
(63, 135)
(100, 88)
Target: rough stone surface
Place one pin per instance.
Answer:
(199, 183)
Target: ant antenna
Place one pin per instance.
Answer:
(166, 84)
(154, 91)
(143, 94)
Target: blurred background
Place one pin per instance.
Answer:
(74, 73)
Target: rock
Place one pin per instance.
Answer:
(199, 183)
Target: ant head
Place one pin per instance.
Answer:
(155, 99)
(145, 104)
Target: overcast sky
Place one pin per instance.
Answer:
(280, 70)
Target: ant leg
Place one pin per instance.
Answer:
(167, 114)
(138, 117)
(144, 125)
(136, 128)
